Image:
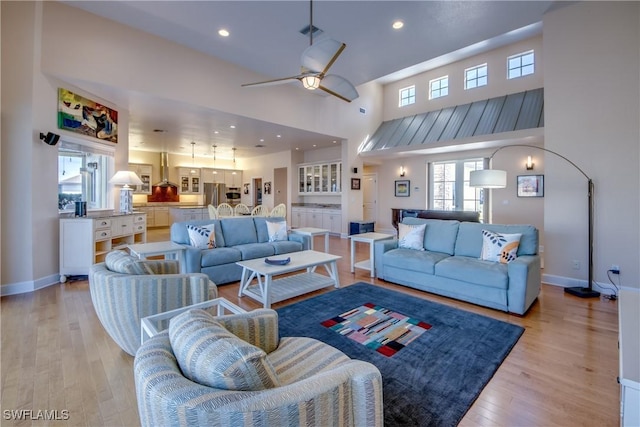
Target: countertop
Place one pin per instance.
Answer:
(317, 205)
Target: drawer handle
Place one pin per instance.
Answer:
(104, 233)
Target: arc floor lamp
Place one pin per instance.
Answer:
(493, 178)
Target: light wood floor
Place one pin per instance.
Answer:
(562, 371)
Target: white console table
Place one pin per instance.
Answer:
(85, 241)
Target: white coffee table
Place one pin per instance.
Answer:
(144, 250)
(312, 232)
(152, 325)
(371, 238)
(269, 291)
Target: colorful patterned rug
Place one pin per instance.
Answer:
(432, 381)
(377, 328)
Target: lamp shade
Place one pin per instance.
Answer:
(125, 178)
(488, 178)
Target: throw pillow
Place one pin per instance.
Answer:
(498, 247)
(411, 236)
(209, 354)
(277, 230)
(121, 262)
(203, 237)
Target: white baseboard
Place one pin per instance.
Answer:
(29, 285)
(569, 282)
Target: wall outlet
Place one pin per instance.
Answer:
(615, 269)
(575, 264)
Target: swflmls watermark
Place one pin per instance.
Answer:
(36, 414)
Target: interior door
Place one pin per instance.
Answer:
(369, 195)
(279, 186)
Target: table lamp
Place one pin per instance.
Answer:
(126, 178)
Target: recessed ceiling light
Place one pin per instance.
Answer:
(232, 126)
(297, 148)
(216, 132)
(397, 24)
(335, 142)
(261, 140)
(223, 32)
(314, 145)
(278, 136)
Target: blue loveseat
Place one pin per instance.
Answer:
(237, 239)
(451, 266)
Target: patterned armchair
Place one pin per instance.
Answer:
(307, 382)
(125, 289)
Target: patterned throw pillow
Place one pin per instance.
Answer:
(209, 354)
(411, 236)
(203, 237)
(121, 262)
(277, 230)
(498, 247)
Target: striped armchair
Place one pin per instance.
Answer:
(121, 300)
(315, 384)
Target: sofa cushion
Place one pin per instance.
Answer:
(261, 226)
(238, 231)
(277, 230)
(286, 246)
(439, 236)
(409, 259)
(120, 262)
(203, 237)
(469, 241)
(499, 247)
(219, 256)
(255, 250)
(473, 270)
(179, 233)
(209, 354)
(411, 236)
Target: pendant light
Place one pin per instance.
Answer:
(234, 160)
(215, 172)
(193, 158)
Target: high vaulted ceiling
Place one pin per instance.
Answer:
(265, 37)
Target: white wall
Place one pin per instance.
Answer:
(497, 83)
(592, 111)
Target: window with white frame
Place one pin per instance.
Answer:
(83, 175)
(475, 76)
(450, 190)
(439, 87)
(520, 65)
(407, 96)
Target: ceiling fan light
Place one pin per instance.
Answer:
(311, 82)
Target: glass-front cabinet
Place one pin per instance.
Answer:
(189, 181)
(320, 178)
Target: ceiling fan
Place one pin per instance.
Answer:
(316, 61)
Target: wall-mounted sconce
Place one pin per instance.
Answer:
(402, 171)
(529, 165)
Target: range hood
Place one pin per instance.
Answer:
(164, 170)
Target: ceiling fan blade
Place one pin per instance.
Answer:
(320, 56)
(339, 86)
(274, 81)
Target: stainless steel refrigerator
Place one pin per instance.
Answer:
(214, 194)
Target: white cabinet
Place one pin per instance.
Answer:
(332, 221)
(144, 173)
(161, 216)
(86, 241)
(188, 214)
(232, 178)
(314, 218)
(298, 217)
(320, 179)
(189, 181)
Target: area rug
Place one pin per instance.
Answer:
(434, 380)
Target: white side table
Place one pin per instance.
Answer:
(310, 231)
(144, 250)
(152, 325)
(371, 238)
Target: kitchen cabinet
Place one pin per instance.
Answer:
(86, 241)
(320, 179)
(298, 217)
(189, 181)
(332, 221)
(188, 214)
(233, 178)
(212, 176)
(144, 173)
(157, 216)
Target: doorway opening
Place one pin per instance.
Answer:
(257, 191)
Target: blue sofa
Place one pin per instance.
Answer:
(451, 266)
(237, 239)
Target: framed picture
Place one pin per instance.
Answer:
(355, 183)
(530, 185)
(81, 115)
(267, 187)
(402, 188)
